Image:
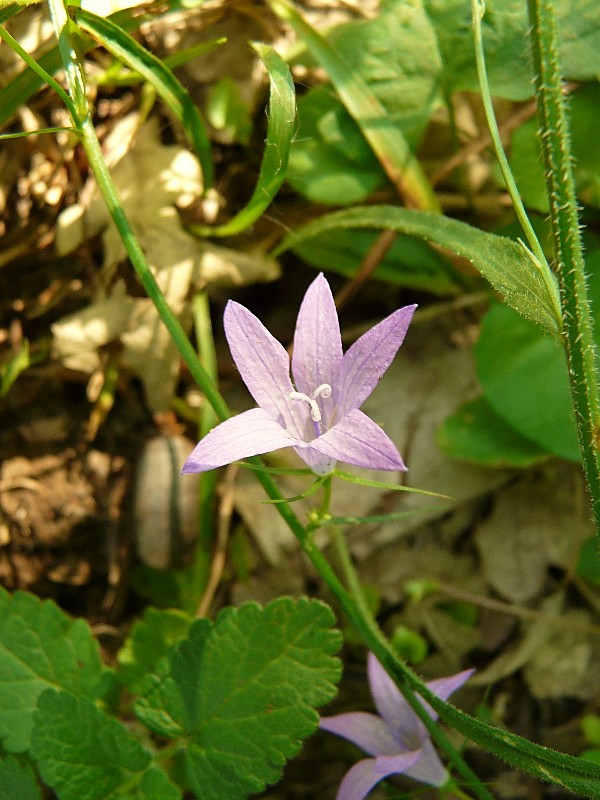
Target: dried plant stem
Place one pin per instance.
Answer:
(577, 318)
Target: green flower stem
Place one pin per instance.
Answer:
(208, 416)
(577, 317)
(537, 255)
(82, 120)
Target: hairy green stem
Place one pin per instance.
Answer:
(577, 317)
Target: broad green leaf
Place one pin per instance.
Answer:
(505, 264)
(524, 377)
(83, 754)
(396, 56)
(505, 29)
(478, 434)
(280, 132)
(150, 640)
(409, 262)
(377, 126)
(17, 781)
(40, 647)
(227, 112)
(330, 161)
(123, 46)
(526, 154)
(588, 567)
(240, 694)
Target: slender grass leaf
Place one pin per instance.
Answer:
(40, 647)
(378, 128)
(240, 694)
(280, 132)
(409, 262)
(123, 46)
(505, 264)
(23, 86)
(14, 367)
(83, 754)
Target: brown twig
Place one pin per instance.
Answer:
(226, 507)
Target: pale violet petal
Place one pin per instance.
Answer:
(428, 768)
(393, 708)
(320, 464)
(444, 687)
(359, 780)
(264, 365)
(367, 731)
(357, 440)
(249, 434)
(368, 358)
(317, 355)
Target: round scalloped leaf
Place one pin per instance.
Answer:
(83, 754)
(241, 693)
(17, 781)
(40, 647)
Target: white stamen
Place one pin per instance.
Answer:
(324, 390)
(315, 411)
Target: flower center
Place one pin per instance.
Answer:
(324, 390)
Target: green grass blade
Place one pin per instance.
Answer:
(505, 264)
(118, 42)
(387, 142)
(280, 132)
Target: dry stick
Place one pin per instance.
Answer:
(515, 611)
(369, 264)
(226, 508)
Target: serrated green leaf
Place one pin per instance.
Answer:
(241, 693)
(83, 754)
(505, 264)
(409, 261)
(280, 132)
(17, 781)
(476, 433)
(40, 647)
(118, 42)
(149, 641)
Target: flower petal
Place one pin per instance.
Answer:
(249, 434)
(357, 440)
(392, 706)
(359, 780)
(264, 366)
(444, 687)
(317, 356)
(428, 768)
(365, 362)
(366, 731)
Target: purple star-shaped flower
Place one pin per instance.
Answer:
(319, 414)
(396, 738)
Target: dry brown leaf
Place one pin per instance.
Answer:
(151, 179)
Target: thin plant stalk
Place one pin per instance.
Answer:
(536, 252)
(578, 338)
